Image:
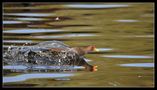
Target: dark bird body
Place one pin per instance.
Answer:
(51, 53)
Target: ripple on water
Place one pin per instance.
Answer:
(104, 49)
(142, 36)
(127, 56)
(29, 14)
(22, 67)
(12, 22)
(138, 65)
(17, 41)
(31, 30)
(66, 36)
(96, 6)
(31, 19)
(127, 21)
(24, 77)
(62, 79)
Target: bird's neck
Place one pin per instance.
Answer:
(80, 50)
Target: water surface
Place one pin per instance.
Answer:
(129, 21)
(127, 56)
(24, 77)
(29, 14)
(12, 22)
(31, 30)
(86, 6)
(138, 65)
(122, 32)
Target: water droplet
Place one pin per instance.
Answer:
(139, 76)
(57, 18)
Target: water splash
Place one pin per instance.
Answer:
(41, 54)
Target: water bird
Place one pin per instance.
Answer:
(79, 53)
(51, 53)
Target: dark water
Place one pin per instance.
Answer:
(123, 32)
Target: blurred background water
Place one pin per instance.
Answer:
(123, 32)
